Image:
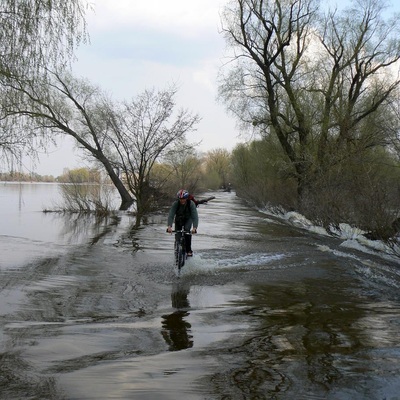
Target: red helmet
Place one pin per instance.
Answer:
(183, 194)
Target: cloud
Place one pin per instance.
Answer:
(189, 17)
(170, 32)
(136, 45)
(152, 46)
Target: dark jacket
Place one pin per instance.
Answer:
(182, 213)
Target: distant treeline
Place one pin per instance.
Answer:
(79, 175)
(23, 177)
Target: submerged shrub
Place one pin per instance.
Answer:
(86, 198)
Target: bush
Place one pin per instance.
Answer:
(85, 198)
(361, 189)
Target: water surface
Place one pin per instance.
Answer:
(262, 311)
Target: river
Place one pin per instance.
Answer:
(94, 309)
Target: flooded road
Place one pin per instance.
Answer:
(262, 311)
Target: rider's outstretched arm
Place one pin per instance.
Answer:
(195, 216)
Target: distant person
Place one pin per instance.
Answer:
(184, 211)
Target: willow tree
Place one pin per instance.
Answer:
(35, 35)
(320, 83)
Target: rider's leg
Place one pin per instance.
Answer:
(188, 227)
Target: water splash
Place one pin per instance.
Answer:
(200, 264)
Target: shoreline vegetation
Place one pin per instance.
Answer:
(22, 177)
(79, 175)
(78, 197)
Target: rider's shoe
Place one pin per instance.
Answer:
(189, 253)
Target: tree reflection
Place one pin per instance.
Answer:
(175, 329)
(307, 341)
(77, 227)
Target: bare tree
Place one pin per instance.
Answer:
(359, 80)
(126, 139)
(316, 83)
(60, 104)
(142, 131)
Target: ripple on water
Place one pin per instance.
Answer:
(213, 264)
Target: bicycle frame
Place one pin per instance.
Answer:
(180, 247)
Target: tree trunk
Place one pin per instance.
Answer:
(126, 198)
(144, 198)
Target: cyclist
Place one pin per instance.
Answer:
(185, 213)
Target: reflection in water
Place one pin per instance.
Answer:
(309, 342)
(307, 325)
(175, 328)
(88, 225)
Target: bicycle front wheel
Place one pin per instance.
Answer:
(176, 252)
(180, 256)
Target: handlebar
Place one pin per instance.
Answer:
(180, 231)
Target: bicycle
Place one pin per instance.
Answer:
(180, 247)
(180, 239)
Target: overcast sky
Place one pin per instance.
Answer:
(139, 44)
(154, 43)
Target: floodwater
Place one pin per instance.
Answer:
(93, 309)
